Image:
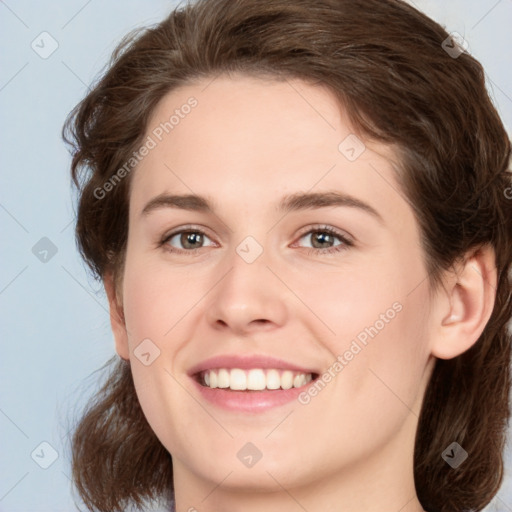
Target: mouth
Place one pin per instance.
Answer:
(255, 379)
(250, 383)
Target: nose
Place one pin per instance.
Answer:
(248, 298)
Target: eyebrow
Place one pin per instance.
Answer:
(293, 202)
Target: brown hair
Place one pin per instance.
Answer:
(385, 62)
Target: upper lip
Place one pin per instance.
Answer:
(246, 363)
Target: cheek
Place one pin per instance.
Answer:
(377, 383)
(361, 293)
(379, 318)
(385, 378)
(155, 300)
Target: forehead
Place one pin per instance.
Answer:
(250, 141)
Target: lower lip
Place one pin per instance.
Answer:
(249, 401)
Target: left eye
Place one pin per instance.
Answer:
(325, 239)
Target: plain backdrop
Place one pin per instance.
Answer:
(55, 325)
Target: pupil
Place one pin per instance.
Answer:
(188, 239)
(323, 238)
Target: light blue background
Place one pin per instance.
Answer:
(55, 326)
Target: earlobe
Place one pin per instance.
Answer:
(467, 305)
(117, 320)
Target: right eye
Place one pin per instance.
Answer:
(185, 240)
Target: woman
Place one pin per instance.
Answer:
(299, 212)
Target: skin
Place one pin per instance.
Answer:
(248, 143)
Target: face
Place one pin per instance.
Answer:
(297, 266)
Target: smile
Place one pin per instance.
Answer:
(257, 379)
(250, 383)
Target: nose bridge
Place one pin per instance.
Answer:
(249, 292)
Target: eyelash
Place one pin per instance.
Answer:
(345, 242)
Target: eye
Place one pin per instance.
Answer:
(323, 240)
(185, 240)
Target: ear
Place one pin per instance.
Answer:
(117, 321)
(466, 305)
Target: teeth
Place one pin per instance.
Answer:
(287, 380)
(299, 380)
(273, 379)
(254, 380)
(223, 379)
(213, 380)
(237, 380)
